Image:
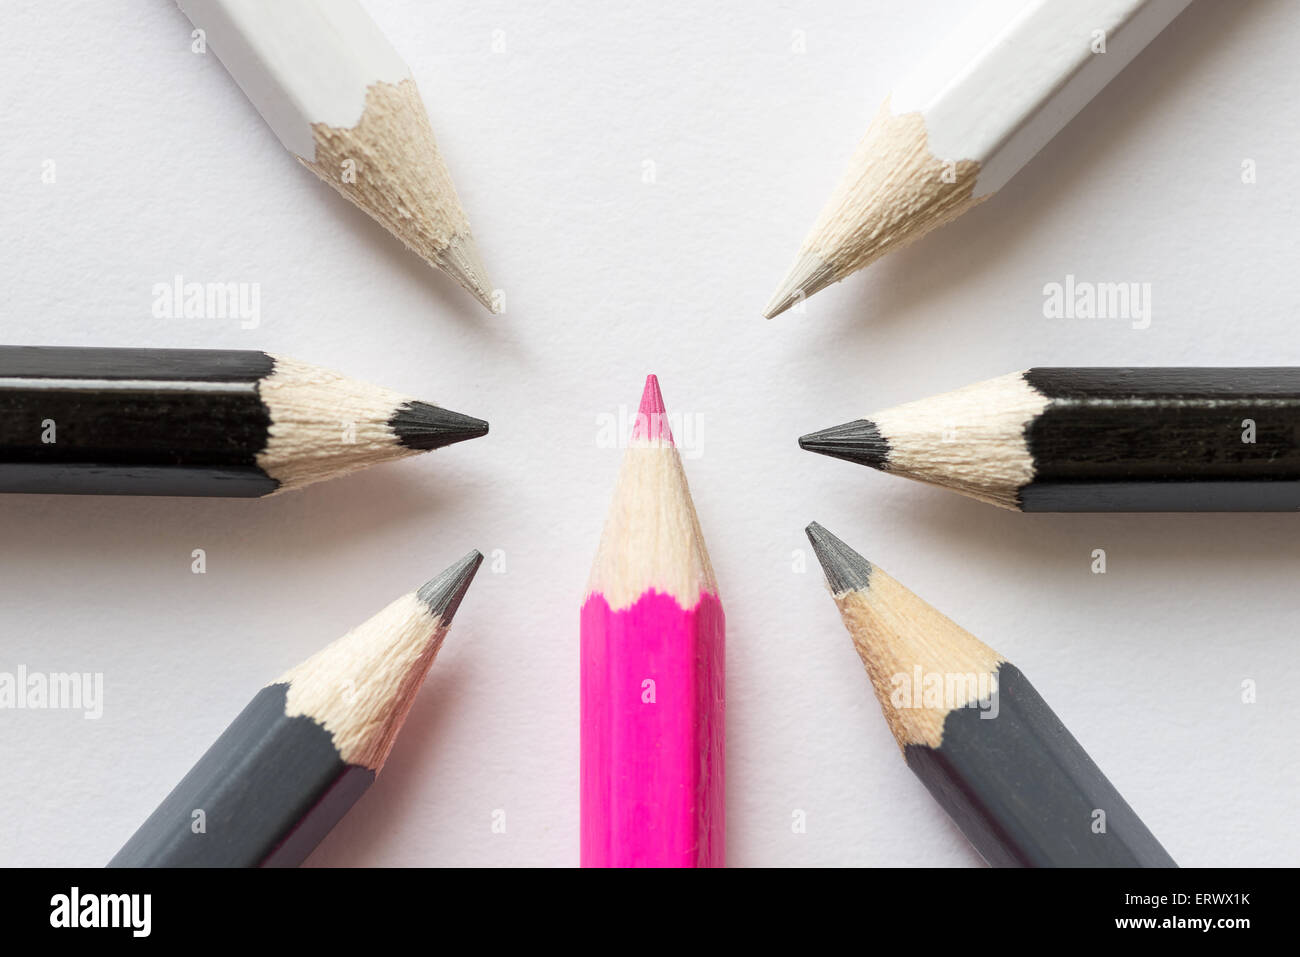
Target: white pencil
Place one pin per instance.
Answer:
(343, 101)
(971, 114)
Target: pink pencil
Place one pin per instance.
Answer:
(652, 670)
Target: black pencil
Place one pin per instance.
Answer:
(1096, 440)
(978, 735)
(198, 422)
(306, 747)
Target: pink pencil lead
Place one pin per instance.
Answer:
(651, 418)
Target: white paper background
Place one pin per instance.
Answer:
(162, 167)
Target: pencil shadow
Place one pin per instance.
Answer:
(1171, 548)
(955, 836)
(901, 285)
(365, 837)
(51, 531)
(440, 295)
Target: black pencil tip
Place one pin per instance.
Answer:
(421, 425)
(857, 441)
(844, 568)
(442, 595)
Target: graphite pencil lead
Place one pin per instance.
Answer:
(858, 441)
(809, 274)
(844, 568)
(442, 595)
(462, 261)
(424, 426)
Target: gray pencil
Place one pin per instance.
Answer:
(306, 747)
(978, 735)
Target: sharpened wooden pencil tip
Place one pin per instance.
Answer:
(462, 261)
(651, 423)
(403, 183)
(809, 274)
(844, 568)
(423, 426)
(858, 441)
(443, 595)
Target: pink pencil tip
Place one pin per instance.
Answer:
(651, 418)
(652, 400)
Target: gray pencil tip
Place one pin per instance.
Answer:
(442, 595)
(858, 441)
(844, 568)
(424, 426)
(809, 274)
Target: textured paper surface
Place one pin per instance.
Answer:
(162, 167)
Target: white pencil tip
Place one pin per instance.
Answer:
(462, 261)
(809, 274)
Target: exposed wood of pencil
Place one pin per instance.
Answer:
(342, 100)
(977, 734)
(652, 674)
(895, 192)
(652, 536)
(970, 115)
(1096, 439)
(198, 422)
(307, 746)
